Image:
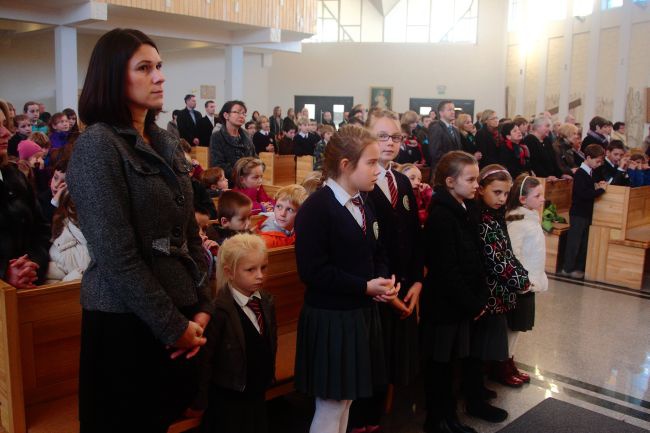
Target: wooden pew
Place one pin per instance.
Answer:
(201, 154)
(304, 166)
(280, 169)
(558, 193)
(271, 190)
(619, 237)
(40, 342)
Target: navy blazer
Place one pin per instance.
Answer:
(611, 174)
(399, 232)
(335, 259)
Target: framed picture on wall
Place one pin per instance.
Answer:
(381, 97)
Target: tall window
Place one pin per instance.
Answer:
(609, 4)
(418, 21)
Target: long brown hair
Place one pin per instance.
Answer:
(65, 211)
(348, 143)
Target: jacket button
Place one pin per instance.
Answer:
(177, 231)
(180, 200)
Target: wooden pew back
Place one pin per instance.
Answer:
(623, 208)
(201, 154)
(304, 166)
(280, 169)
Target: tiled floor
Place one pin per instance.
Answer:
(590, 347)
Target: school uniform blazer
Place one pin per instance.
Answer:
(305, 145)
(223, 361)
(609, 172)
(584, 195)
(261, 141)
(399, 231)
(455, 285)
(186, 126)
(441, 142)
(334, 257)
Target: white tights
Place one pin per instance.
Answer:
(331, 416)
(513, 336)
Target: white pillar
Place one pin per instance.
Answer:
(592, 65)
(520, 98)
(540, 106)
(65, 53)
(624, 41)
(565, 75)
(234, 88)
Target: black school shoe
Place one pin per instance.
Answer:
(486, 412)
(440, 427)
(457, 427)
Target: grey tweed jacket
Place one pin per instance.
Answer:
(135, 208)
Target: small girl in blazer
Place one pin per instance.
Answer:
(238, 361)
(399, 229)
(505, 278)
(339, 349)
(454, 293)
(525, 202)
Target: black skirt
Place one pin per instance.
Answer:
(400, 345)
(490, 338)
(127, 381)
(445, 342)
(522, 318)
(339, 353)
(234, 412)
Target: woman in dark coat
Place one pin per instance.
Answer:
(24, 233)
(231, 142)
(512, 155)
(487, 138)
(144, 296)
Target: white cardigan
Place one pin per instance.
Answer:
(529, 246)
(69, 256)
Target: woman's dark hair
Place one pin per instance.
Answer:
(506, 128)
(226, 109)
(103, 98)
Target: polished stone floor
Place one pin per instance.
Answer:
(590, 347)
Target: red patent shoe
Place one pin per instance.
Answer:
(525, 378)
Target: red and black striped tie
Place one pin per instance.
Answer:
(358, 203)
(255, 305)
(392, 189)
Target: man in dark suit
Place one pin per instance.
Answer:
(443, 136)
(276, 121)
(188, 121)
(207, 123)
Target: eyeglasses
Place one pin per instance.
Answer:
(397, 138)
(241, 113)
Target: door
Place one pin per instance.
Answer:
(317, 105)
(424, 105)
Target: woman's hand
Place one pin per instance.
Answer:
(411, 299)
(190, 342)
(21, 273)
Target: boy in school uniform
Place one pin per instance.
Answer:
(305, 141)
(234, 215)
(585, 191)
(614, 168)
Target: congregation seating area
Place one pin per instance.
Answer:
(40, 342)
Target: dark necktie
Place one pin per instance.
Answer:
(451, 131)
(255, 305)
(392, 189)
(357, 202)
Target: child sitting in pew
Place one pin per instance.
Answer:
(210, 247)
(277, 229)
(422, 190)
(215, 182)
(234, 215)
(247, 177)
(614, 167)
(237, 363)
(638, 170)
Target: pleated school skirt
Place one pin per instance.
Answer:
(339, 353)
(522, 318)
(445, 342)
(489, 341)
(400, 345)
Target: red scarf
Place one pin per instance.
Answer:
(517, 150)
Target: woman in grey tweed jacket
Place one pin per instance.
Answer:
(144, 296)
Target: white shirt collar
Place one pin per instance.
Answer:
(304, 134)
(610, 162)
(242, 299)
(340, 194)
(586, 168)
(264, 132)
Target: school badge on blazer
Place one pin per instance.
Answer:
(375, 229)
(406, 202)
